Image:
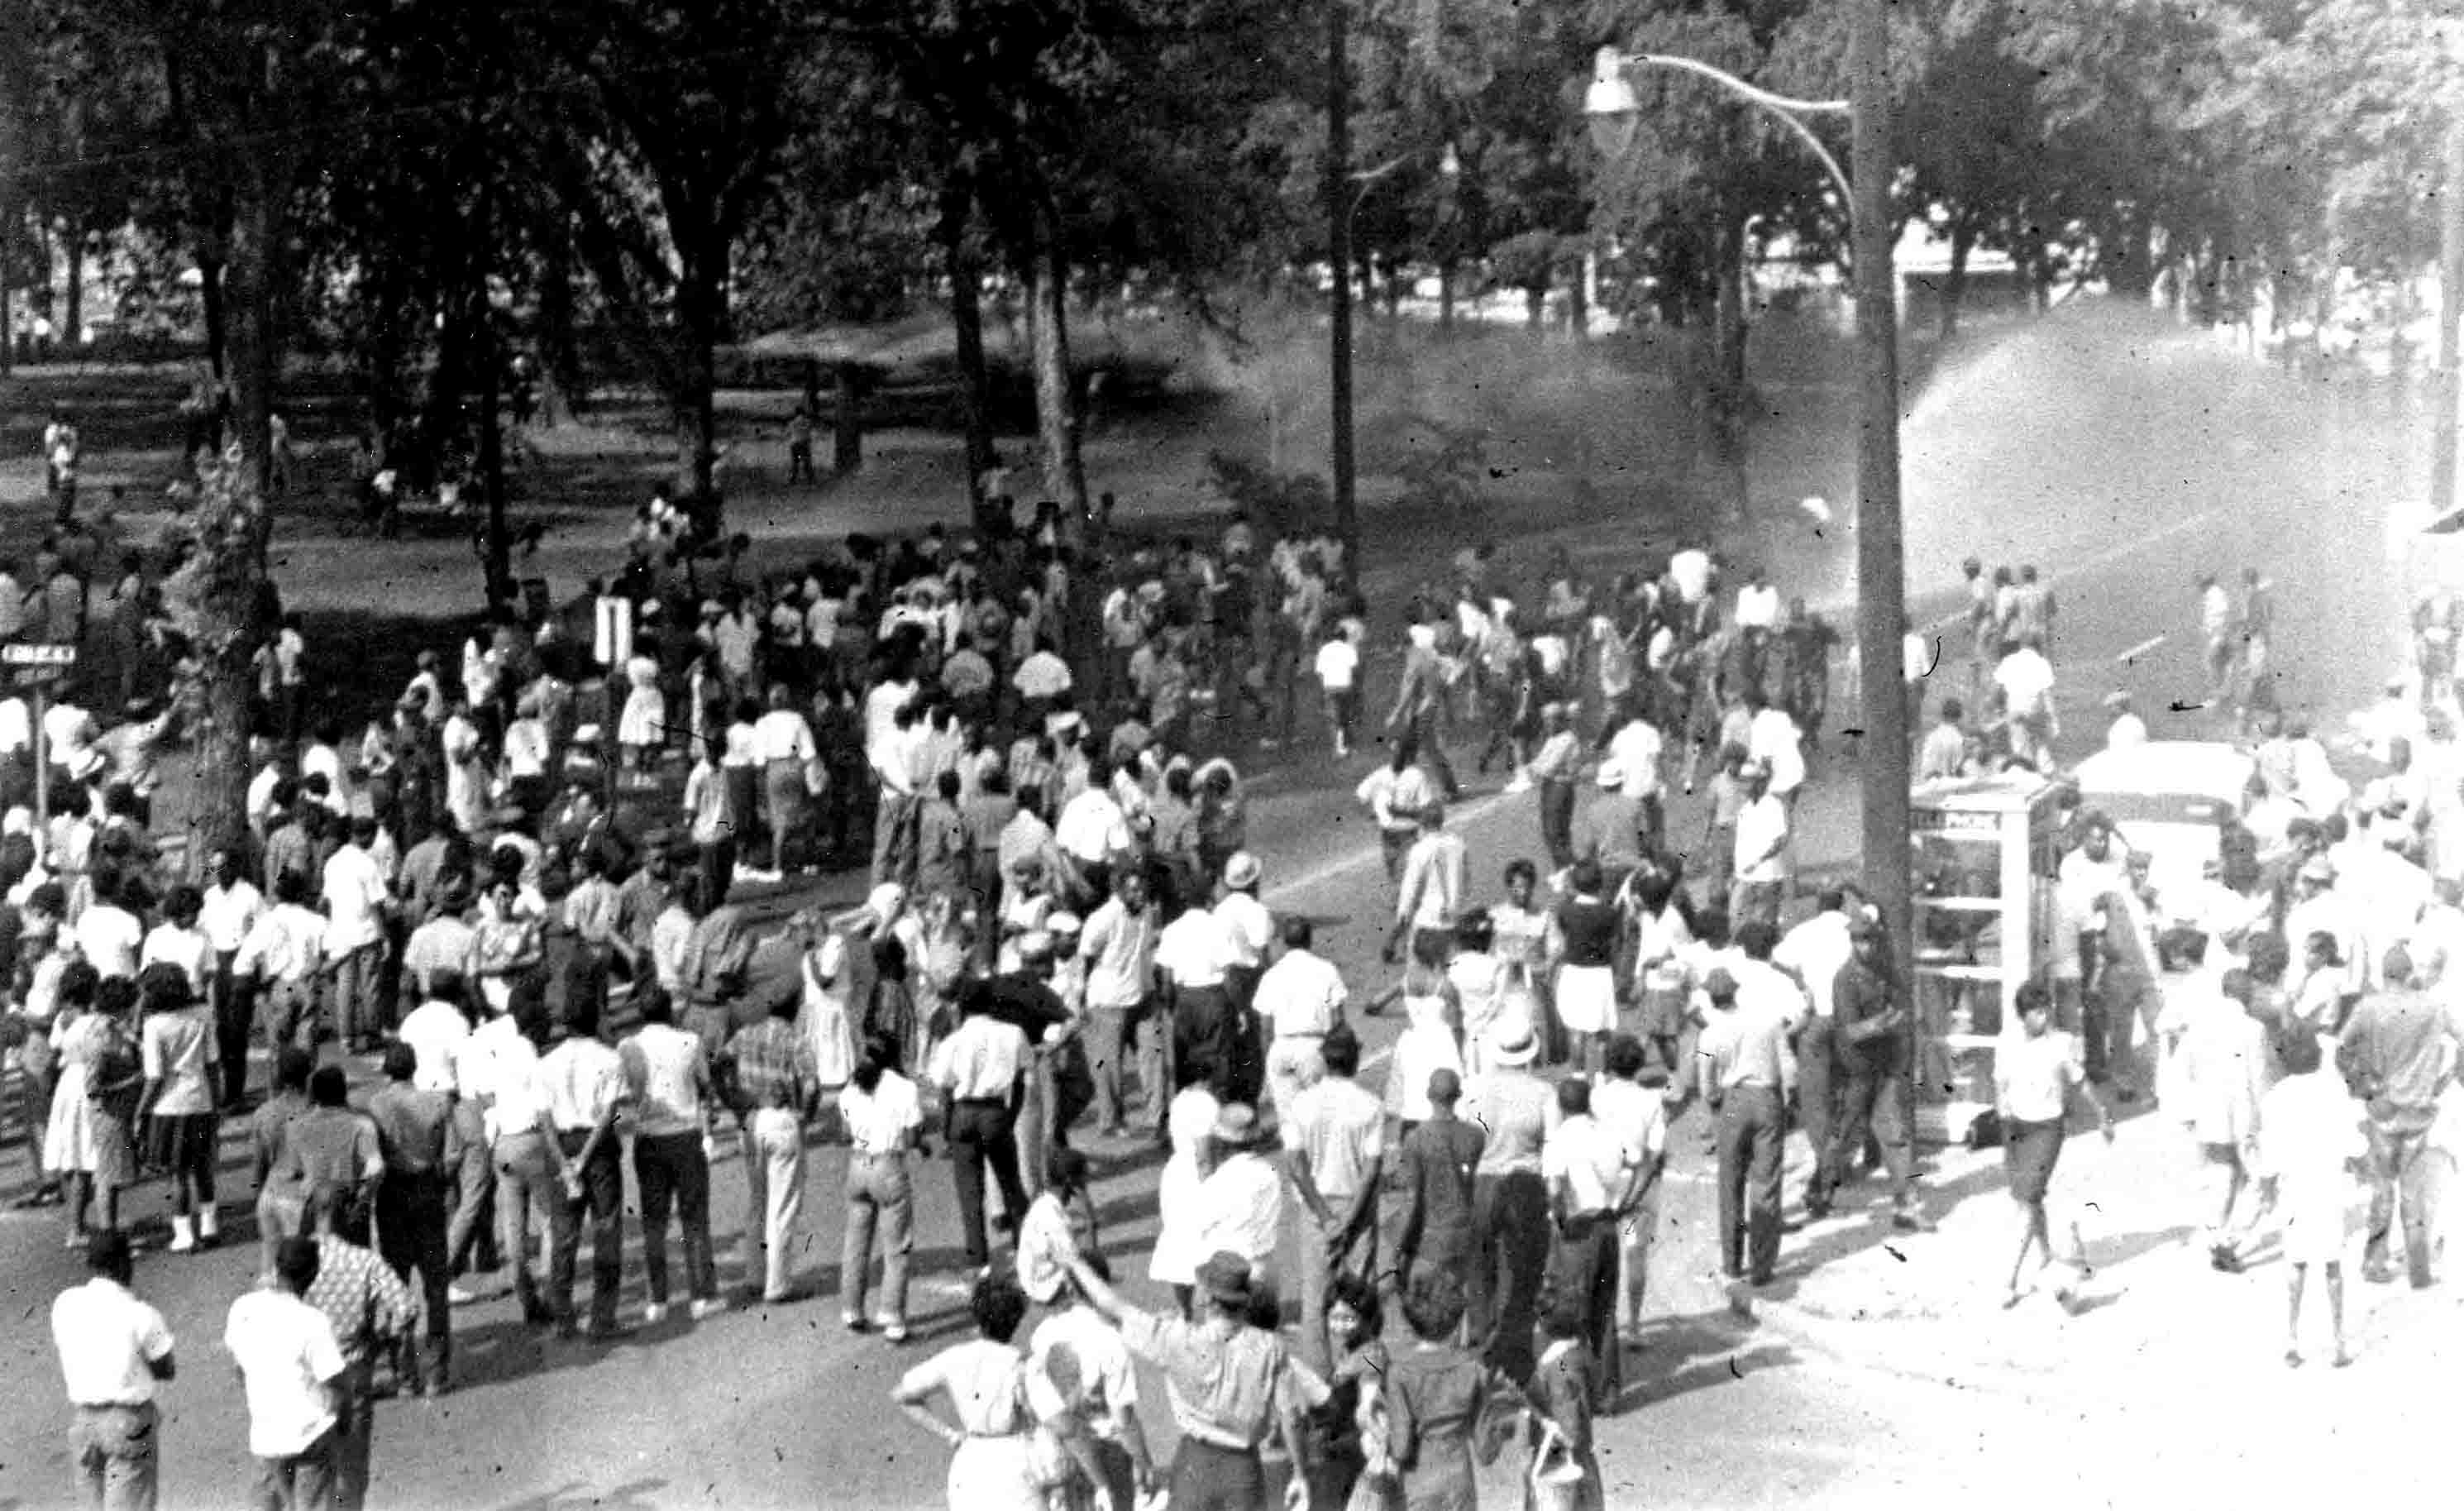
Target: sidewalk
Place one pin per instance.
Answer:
(1930, 1305)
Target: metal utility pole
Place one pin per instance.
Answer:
(2443, 393)
(1882, 587)
(1338, 256)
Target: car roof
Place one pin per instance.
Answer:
(2190, 768)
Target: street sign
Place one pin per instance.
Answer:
(38, 655)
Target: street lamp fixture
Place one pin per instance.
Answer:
(1614, 109)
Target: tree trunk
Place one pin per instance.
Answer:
(1954, 286)
(232, 521)
(1056, 398)
(701, 297)
(569, 383)
(72, 331)
(1445, 295)
(967, 330)
(846, 421)
(1535, 307)
(1726, 391)
(1578, 301)
(215, 298)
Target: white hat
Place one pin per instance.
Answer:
(1511, 1042)
(1242, 870)
(886, 900)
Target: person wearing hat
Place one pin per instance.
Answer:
(1510, 1198)
(1192, 957)
(1743, 1072)
(1872, 1042)
(1240, 1205)
(1761, 855)
(1612, 830)
(1230, 1386)
(1248, 928)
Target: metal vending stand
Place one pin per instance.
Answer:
(1983, 859)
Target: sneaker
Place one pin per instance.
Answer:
(653, 1313)
(894, 1332)
(1520, 784)
(853, 1322)
(708, 1308)
(458, 1296)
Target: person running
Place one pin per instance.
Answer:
(2035, 1074)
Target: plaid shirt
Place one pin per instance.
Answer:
(366, 1301)
(773, 1066)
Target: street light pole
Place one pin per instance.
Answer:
(1881, 588)
(1340, 205)
(2444, 394)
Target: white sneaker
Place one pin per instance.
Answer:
(184, 1235)
(653, 1313)
(1520, 784)
(455, 1296)
(709, 1307)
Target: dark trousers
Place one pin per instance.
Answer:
(1870, 1101)
(1510, 1256)
(1751, 1126)
(1428, 730)
(983, 1133)
(603, 1204)
(1557, 821)
(674, 1175)
(1206, 1476)
(1585, 1266)
(2118, 1000)
(1817, 1099)
(234, 1002)
(412, 1217)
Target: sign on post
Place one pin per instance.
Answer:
(44, 661)
(38, 655)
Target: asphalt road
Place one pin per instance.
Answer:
(2121, 465)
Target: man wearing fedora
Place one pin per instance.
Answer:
(1240, 1205)
(1743, 1072)
(1229, 1383)
(1509, 1196)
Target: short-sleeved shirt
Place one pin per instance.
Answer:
(1340, 1129)
(881, 1120)
(667, 1070)
(1302, 995)
(984, 1382)
(1591, 1158)
(436, 1033)
(178, 1050)
(107, 1341)
(361, 1298)
(1194, 948)
(2032, 1077)
(286, 1353)
(1240, 1209)
(585, 1081)
(1119, 950)
(1222, 1384)
(1107, 1382)
(982, 1062)
(1518, 1109)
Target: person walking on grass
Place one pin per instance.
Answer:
(2035, 1074)
(115, 1356)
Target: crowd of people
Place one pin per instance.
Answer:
(518, 895)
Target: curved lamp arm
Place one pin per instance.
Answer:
(1610, 95)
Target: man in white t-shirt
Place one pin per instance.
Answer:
(1761, 848)
(356, 899)
(292, 1366)
(1635, 747)
(1301, 998)
(115, 1355)
(1338, 674)
(1092, 831)
(2026, 679)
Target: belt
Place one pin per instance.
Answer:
(1221, 1441)
(862, 1154)
(1300, 1033)
(981, 1101)
(112, 1405)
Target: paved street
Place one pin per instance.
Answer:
(2149, 469)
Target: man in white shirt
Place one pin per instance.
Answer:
(1248, 928)
(1631, 1102)
(1092, 831)
(1773, 738)
(1239, 1208)
(2026, 679)
(1636, 747)
(1300, 999)
(1431, 894)
(1812, 952)
(586, 1087)
(1338, 675)
(1757, 604)
(439, 1035)
(1105, 1400)
(293, 1369)
(115, 1355)
(356, 899)
(1118, 949)
(1761, 866)
(668, 1083)
(1590, 1174)
(1334, 1144)
(977, 1069)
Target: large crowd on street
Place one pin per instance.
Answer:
(512, 905)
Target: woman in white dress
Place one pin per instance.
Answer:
(1479, 979)
(90, 1142)
(642, 727)
(994, 1466)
